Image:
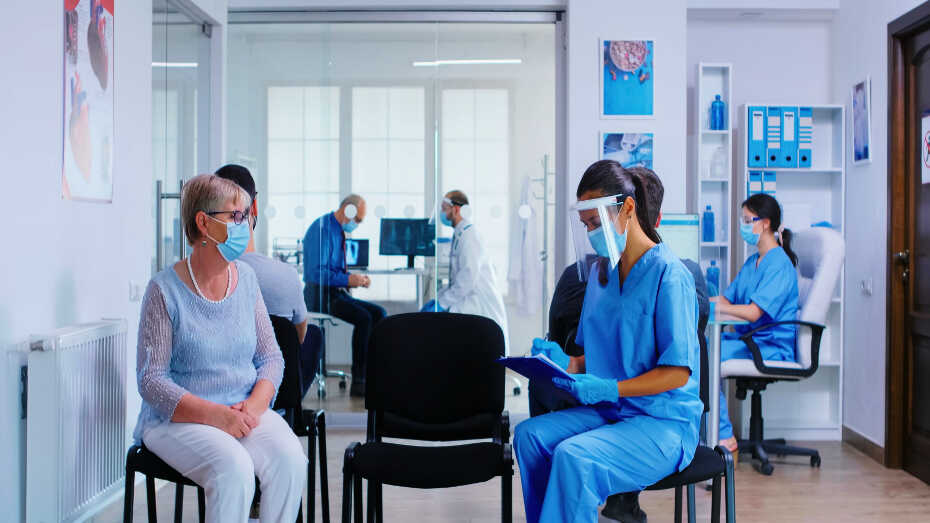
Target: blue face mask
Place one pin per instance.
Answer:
(351, 226)
(745, 230)
(599, 242)
(445, 219)
(237, 240)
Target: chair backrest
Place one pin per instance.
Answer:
(820, 253)
(700, 288)
(290, 391)
(431, 374)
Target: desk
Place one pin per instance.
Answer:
(716, 322)
(402, 272)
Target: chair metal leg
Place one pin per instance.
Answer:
(379, 503)
(201, 504)
(129, 495)
(372, 500)
(300, 512)
(692, 512)
(178, 502)
(731, 491)
(507, 496)
(150, 499)
(324, 475)
(359, 509)
(715, 501)
(346, 497)
(311, 468)
(677, 504)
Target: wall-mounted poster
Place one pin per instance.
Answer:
(862, 121)
(628, 149)
(87, 163)
(627, 89)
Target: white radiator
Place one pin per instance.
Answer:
(75, 421)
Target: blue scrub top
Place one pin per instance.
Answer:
(650, 321)
(773, 287)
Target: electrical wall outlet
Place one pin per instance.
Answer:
(135, 291)
(866, 286)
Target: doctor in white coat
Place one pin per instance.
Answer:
(472, 285)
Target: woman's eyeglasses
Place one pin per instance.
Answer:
(750, 219)
(237, 216)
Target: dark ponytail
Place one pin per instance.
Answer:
(608, 177)
(766, 206)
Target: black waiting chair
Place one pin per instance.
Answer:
(708, 464)
(431, 377)
(304, 422)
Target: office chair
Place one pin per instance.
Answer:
(321, 319)
(820, 253)
(431, 377)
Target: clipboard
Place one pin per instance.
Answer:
(537, 367)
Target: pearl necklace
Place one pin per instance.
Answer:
(197, 287)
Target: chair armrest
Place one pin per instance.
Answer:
(726, 455)
(781, 371)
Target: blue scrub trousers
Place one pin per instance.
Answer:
(571, 460)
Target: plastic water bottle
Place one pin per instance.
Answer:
(707, 227)
(713, 279)
(718, 111)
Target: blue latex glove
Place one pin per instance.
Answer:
(433, 306)
(552, 351)
(589, 389)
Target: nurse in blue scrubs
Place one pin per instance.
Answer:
(765, 291)
(637, 382)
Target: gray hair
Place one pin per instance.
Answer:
(353, 199)
(207, 192)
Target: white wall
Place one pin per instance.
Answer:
(67, 262)
(589, 21)
(859, 48)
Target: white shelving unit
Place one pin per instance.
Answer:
(809, 409)
(715, 186)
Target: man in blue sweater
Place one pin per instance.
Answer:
(327, 280)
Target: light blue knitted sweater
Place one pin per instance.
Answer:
(216, 351)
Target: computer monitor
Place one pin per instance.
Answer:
(681, 232)
(407, 237)
(356, 253)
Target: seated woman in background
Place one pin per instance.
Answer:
(208, 367)
(765, 291)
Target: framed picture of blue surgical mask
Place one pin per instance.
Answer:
(627, 76)
(628, 149)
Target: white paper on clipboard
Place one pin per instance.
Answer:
(925, 147)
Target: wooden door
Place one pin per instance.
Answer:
(908, 443)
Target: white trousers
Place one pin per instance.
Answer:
(226, 467)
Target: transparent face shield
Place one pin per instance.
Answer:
(596, 228)
(441, 214)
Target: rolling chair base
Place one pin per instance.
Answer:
(761, 450)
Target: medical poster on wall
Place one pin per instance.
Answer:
(628, 149)
(627, 89)
(862, 122)
(87, 162)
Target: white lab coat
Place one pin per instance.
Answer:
(472, 285)
(525, 274)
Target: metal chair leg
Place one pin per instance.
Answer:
(201, 504)
(692, 512)
(359, 509)
(346, 497)
(731, 492)
(178, 502)
(507, 497)
(715, 501)
(311, 468)
(372, 500)
(324, 475)
(129, 495)
(150, 499)
(677, 504)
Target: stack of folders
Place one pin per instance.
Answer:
(780, 137)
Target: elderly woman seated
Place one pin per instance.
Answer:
(208, 367)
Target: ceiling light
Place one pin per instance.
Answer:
(184, 65)
(488, 61)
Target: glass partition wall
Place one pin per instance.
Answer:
(401, 114)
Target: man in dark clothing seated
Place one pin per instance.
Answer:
(564, 316)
